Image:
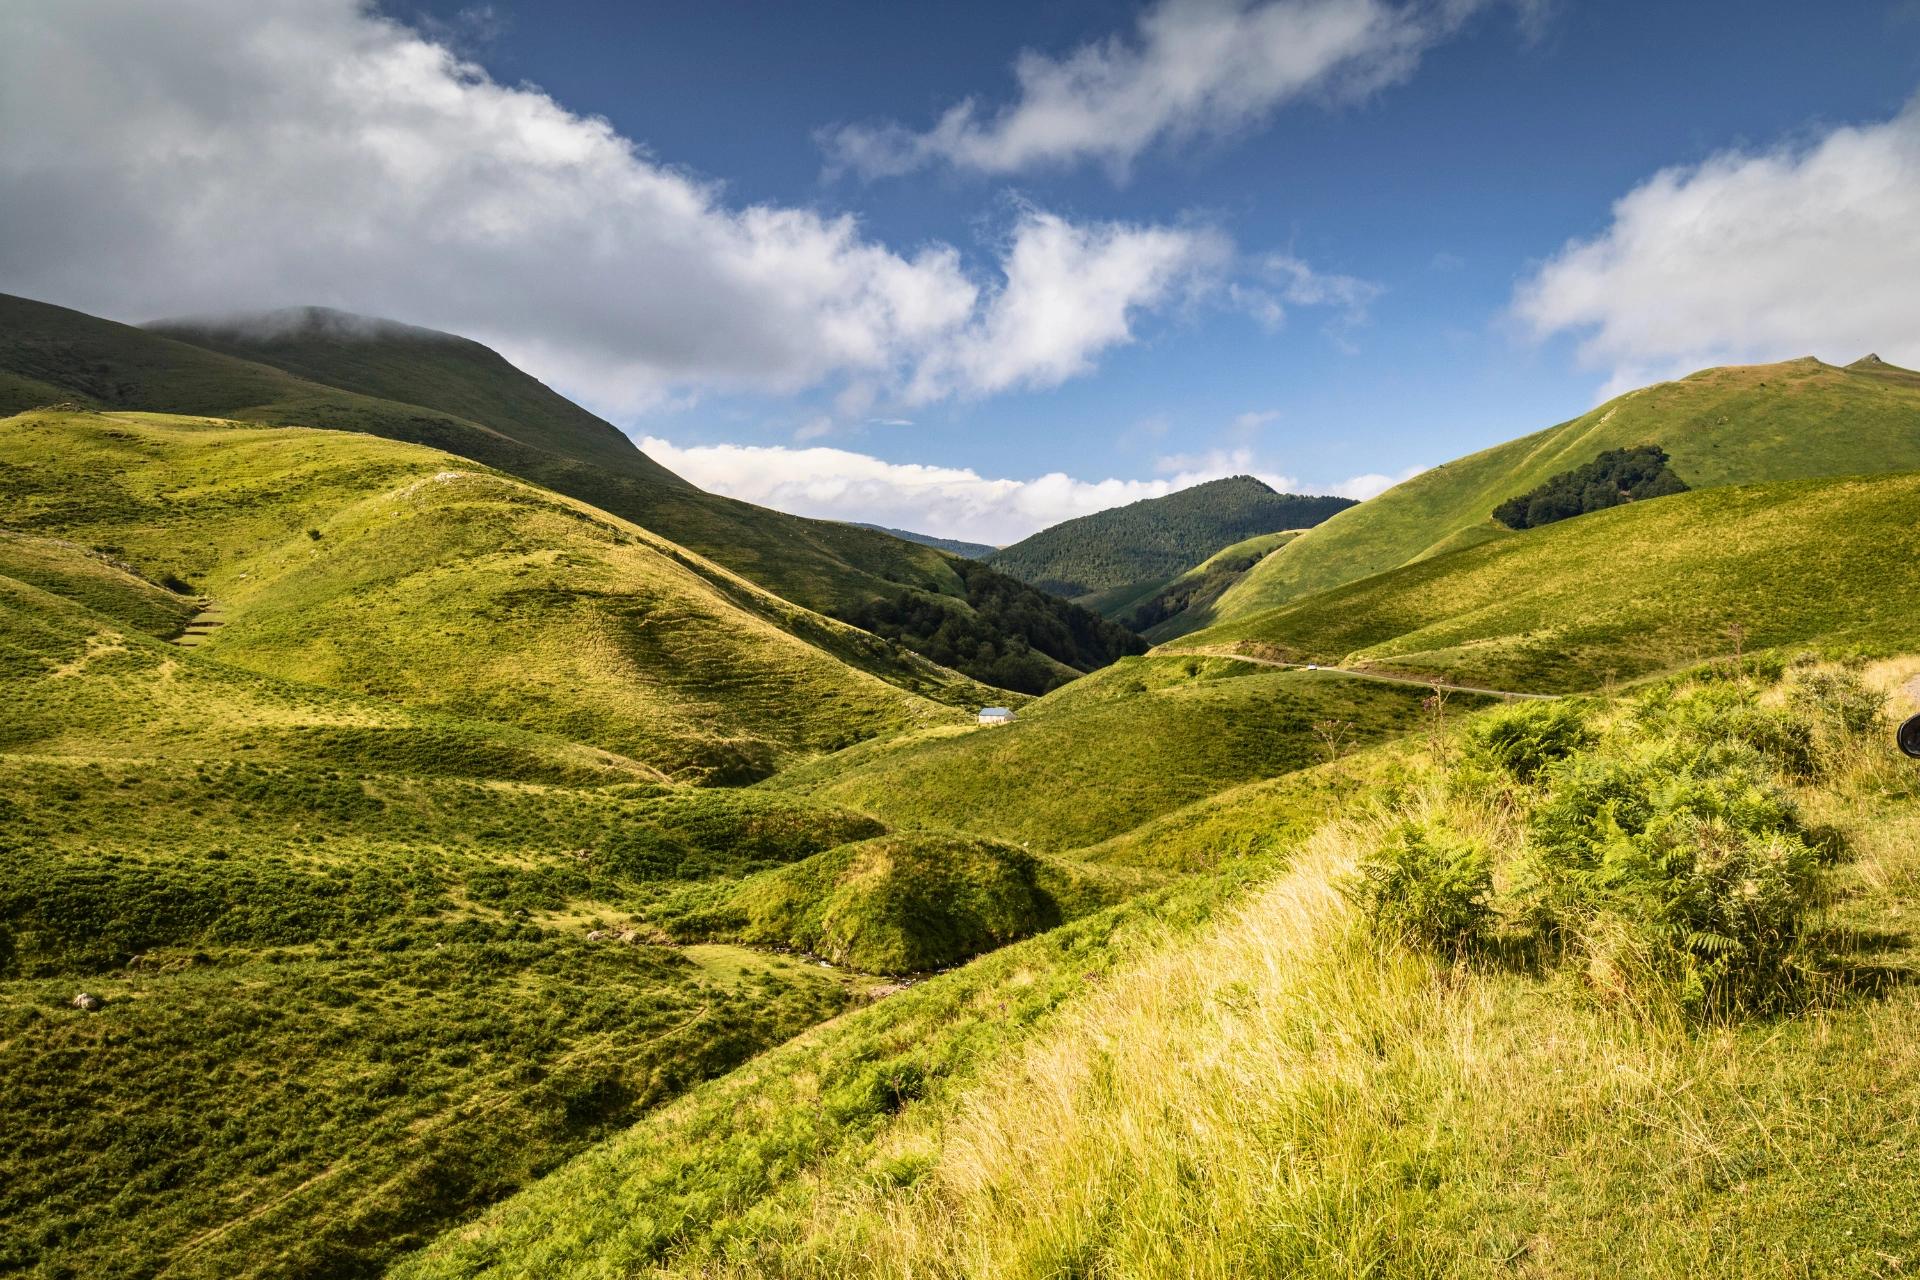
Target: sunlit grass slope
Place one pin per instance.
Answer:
(398, 572)
(350, 992)
(1269, 1085)
(902, 903)
(86, 685)
(343, 1008)
(1628, 591)
(1722, 426)
(1142, 738)
(318, 368)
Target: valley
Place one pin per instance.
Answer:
(437, 841)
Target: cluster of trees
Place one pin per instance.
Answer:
(1616, 476)
(1155, 539)
(1007, 634)
(1190, 590)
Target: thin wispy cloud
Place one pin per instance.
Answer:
(1189, 68)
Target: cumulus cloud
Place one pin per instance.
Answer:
(1070, 293)
(1807, 248)
(1189, 68)
(210, 155)
(949, 502)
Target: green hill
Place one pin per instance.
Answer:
(899, 904)
(952, 546)
(1140, 739)
(345, 952)
(405, 574)
(1740, 425)
(1627, 591)
(1134, 547)
(318, 368)
(1172, 609)
(1249, 1072)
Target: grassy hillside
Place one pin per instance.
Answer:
(1109, 752)
(405, 574)
(1254, 1071)
(1272, 1079)
(1628, 591)
(899, 904)
(1151, 541)
(1171, 609)
(404, 364)
(1800, 419)
(357, 969)
(312, 367)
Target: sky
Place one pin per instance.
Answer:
(974, 269)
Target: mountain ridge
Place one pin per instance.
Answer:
(1135, 547)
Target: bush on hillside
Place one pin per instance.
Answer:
(1681, 867)
(1841, 700)
(1614, 477)
(1426, 886)
(1523, 740)
(1008, 634)
(1729, 712)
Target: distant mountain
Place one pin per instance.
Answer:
(1735, 425)
(311, 366)
(1122, 553)
(952, 546)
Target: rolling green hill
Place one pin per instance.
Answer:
(1099, 757)
(318, 368)
(1628, 591)
(1739, 425)
(952, 546)
(1249, 1072)
(1134, 547)
(343, 951)
(406, 574)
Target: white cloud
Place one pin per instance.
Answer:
(1372, 484)
(1191, 67)
(1804, 249)
(951, 502)
(201, 156)
(1070, 293)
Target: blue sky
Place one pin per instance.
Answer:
(1338, 265)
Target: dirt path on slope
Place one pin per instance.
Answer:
(1351, 674)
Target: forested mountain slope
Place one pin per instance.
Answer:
(1151, 541)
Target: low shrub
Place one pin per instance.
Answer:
(1427, 886)
(1680, 866)
(1523, 740)
(1841, 700)
(1717, 713)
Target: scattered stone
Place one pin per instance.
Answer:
(597, 935)
(87, 1001)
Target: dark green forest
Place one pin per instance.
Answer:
(1153, 540)
(1614, 477)
(1015, 637)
